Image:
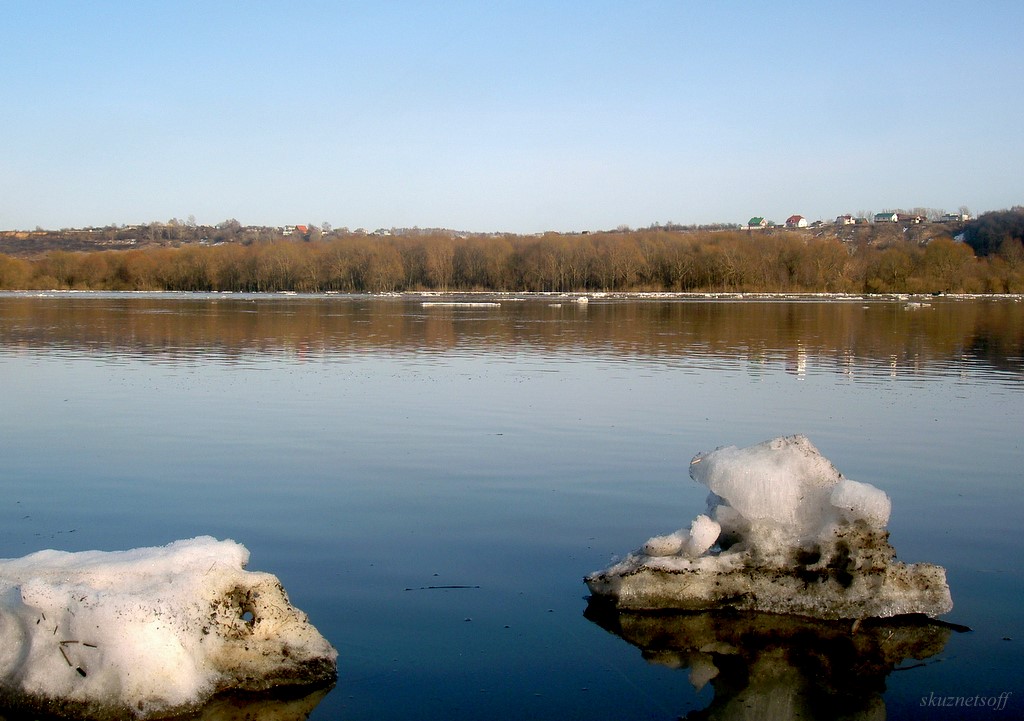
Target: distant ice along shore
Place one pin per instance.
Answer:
(149, 632)
(784, 532)
(493, 298)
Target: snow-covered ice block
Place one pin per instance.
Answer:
(784, 532)
(150, 631)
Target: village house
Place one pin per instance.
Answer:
(757, 222)
(846, 220)
(796, 221)
(890, 217)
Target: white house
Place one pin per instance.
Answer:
(954, 218)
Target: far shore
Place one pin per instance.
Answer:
(513, 296)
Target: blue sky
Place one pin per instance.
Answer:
(505, 116)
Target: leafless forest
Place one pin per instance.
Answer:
(915, 259)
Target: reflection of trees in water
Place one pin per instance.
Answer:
(766, 667)
(850, 336)
(999, 337)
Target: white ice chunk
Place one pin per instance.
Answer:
(150, 631)
(778, 490)
(784, 533)
(703, 534)
(783, 494)
(669, 545)
(861, 501)
(691, 542)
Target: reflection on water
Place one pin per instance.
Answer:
(764, 666)
(286, 705)
(360, 446)
(850, 336)
(278, 707)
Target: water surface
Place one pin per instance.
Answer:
(371, 450)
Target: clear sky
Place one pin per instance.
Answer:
(505, 116)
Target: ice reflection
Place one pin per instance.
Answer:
(766, 666)
(284, 705)
(266, 708)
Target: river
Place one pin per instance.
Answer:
(432, 476)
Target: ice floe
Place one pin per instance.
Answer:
(784, 532)
(149, 632)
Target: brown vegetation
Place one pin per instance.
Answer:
(872, 260)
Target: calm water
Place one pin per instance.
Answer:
(367, 449)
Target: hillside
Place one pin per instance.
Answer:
(29, 244)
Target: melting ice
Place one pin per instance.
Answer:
(150, 631)
(783, 532)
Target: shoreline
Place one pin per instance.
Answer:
(581, 297)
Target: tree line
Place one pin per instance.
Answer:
(996, 232)
(648, 260)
